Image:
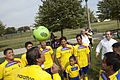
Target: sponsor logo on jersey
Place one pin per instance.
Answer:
(25, 77)
(74, 68)
(11, 63)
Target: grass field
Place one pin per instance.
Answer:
(18, 40)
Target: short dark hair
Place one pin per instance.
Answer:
(27, 43)
(113, 59)
(5, 51)
(78, 35)
(72, 57)
(116, 45)
(62, 38)
(33, 54)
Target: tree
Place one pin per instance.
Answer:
(10, 30)
(24, 29)
(2, 28)
(109, 9)
(60, 14)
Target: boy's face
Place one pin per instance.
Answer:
(79, 40)
(72, 62)
(104, 65)
(63, 43)
(41, 60)
(116, 50)
(43, 44)
(29, 46)
(9, 55)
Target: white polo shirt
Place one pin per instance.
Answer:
(105, 45)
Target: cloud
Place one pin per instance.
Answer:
(18, 12)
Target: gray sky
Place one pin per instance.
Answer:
(19, 13)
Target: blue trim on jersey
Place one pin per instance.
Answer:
(118, 76)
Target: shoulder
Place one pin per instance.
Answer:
(3, 64)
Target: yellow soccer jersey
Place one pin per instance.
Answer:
(82, 52)
(24, 60)
(115, 76)
(35, 72)
(64, 54)
(73, 71)
(48, 52)
(7, 70)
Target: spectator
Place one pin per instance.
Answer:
(105, 44)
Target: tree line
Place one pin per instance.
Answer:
(9, 30)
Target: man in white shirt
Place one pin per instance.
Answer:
(84, 37)
(105, 44)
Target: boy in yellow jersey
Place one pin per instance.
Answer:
(49, 56)
(63, 53)
(72, 70)
(28, 45)
(10, 66)
(110, 67)
(81, 52)
(33, 71)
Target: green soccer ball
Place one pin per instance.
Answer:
(41, 33)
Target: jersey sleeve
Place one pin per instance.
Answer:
(75, 51)
(51, 50)
(58, 54)
(1, 71)
(56, 76)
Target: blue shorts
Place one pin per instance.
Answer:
(65, 74)
(76, 78)
(48, 70)
(84, 70)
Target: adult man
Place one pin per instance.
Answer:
(81, 52)
(84, 37)
(10, 66)
(110, 67)
(28, 45)
(49, 56)
(63, 53)
(33, 71)
(105, 44)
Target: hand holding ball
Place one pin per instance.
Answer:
(41, 33)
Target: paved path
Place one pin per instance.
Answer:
(23, 50)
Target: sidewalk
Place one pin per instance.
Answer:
(72, 41)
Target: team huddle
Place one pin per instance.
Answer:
(67, 62)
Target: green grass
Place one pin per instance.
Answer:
(18, 40)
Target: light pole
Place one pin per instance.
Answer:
(88, 14)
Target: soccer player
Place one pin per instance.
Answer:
(81, 52)
(49, 56)
(10, 66)
(110, 67)
(116, 47)
(28, 45)
(105, 44)
(33, 71)
(63, 53)
(72, 70)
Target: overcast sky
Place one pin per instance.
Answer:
(19, 13)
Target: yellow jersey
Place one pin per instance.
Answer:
(35, 72)
(82, 52)
(73, 71)
(48, 52)
(115, 76)
(8, 69)
(63, 54)
(24, 60)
